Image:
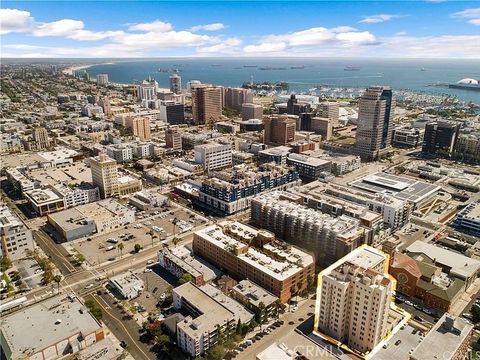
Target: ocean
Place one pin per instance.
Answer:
(302, 74)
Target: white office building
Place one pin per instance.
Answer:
(213, 155)
(15, 237)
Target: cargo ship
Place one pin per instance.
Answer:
(466, 84)
(351, 68)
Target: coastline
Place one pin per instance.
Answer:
(71, 69)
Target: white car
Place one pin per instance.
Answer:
(148, 270)
(150, 262)
(89, 286)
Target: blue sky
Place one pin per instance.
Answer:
(427, 29)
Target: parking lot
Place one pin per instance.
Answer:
(400, 345)
(30, 272)
(157, 282)
(148, 230)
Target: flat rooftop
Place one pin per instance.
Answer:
(42, 196)
(46, 323)
(294, 259)
(401, 187)
(212, 312)
(278, 150)
(70, 219)
(254, 293)
(308, 160)
(231, 304)
(461, 266)
(445, 337)
(8, 218)
(184, 258)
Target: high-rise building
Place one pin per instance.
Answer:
(305, 122)
(104, 102)
(172, 112)
(213, 156)
(175, 83)
(296, 108)
(102, 79)
(323, 126)
(140, 127)
(251, 111)
(234, 98)
(279, 129)
(353, 300)
(173, 139)
(329, 110)
(40, 138)
(440, 137)
(207, 103)
(374, 126)
(15, 237)
(147, 90)
(104, 175)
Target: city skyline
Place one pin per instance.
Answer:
(428, 29)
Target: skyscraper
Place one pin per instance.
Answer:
(329, 110)
(207, 103)
(279, 129)
(147, 90)
(251, 111)
(296, 108)
(374, 129)
(440, 137)
(175, 83)
(104, 175)
(236, 97)
(140, 127)
(40, 137)
(353, 299)
(102, 79)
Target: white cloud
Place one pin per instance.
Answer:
(154, 26)
(266, 47)
(208, 27)
(313, 38)
(374, 19)
(230, 46)
(472, 15)
(401, 33)
(13, 20)
(71, 29)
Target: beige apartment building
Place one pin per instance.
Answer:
(105, 175)
(354, 297)
(140, 127)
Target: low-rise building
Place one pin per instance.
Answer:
(127, 285)
(15, 237)
(449, 338)
(72, 224)
(180, 260)
(452, 263)
(44, 201)
(468, 219)
(255, 297)
(146, 200)
(309, 168)
(408, 137)
(49, 329)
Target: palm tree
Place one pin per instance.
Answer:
(120, 248)
(57, 279)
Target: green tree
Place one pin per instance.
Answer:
(58, 279)
(238, 330)
(253, 324)
(120, 248)
(5, 263)
(137, 248)
(163, 342)
(184, 279)
(79, 259)
(475, 310)
(216, 353)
